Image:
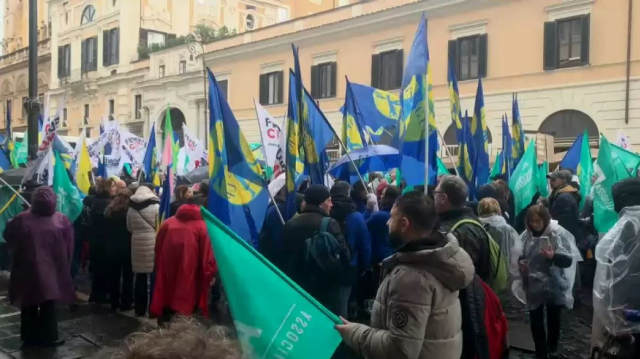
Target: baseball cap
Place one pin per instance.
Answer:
(562, 174)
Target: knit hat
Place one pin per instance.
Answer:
(626, 193)
(341, 188)
(316, 194)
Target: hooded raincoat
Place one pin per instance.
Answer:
(506, 237)
(548, 280)
(42, 242)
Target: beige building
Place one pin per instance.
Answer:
(15, 57)
(567, 60)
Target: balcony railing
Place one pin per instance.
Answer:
(44, 48)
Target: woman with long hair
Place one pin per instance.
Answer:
(119, 252)
(183, 193)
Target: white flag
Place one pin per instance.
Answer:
(135, 146)
(623, 141)
(270, 132)
(193, 151)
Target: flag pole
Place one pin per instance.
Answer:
(444, 144)
(14, 191)
(274, 202)
(353, 163)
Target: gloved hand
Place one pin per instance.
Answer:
(372, 203)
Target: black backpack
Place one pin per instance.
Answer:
(322, 255)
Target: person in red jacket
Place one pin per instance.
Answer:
(185, 266)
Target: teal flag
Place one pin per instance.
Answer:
(608, 170)
(442, 169)
(68, 197)
(543, 184)
(630, 159)
(523, 181)
(274, 317)
(497, 167)
(585, 168)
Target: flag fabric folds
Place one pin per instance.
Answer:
(497, 167)
(507, 148)
(68, 197)
(379, 109)
(169, 155)
(609, 170)
(572, 157)
(237, 193)
(543, 183)
(282, 322)
(523, 183)
(150, 162)
(517, 133)
(466, 157)
(9, 144)
(416, 97)
(480, 136)
(353, 128)
(584, 171)
(164, 212)
(631, 160)
(83, 167)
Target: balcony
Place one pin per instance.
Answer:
(22, 55)
(79, 81)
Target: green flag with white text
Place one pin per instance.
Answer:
(68, 199)
(524, 180)
(609, 170)
(585, 168)
(274, 318)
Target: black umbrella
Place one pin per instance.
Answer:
(197, 175)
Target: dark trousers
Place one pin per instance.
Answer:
(39, 323)
(141, 294)
(121, 269)
(546, 341)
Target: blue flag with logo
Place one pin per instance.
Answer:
(379, 109)
(480, 137)
(416, 97)
(150, 162)
(353, 135)
(507, 148)
(164, 212)
(517, 133)
(466, 158)
(237, 193)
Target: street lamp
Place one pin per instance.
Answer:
(33, 103)
(196, 49)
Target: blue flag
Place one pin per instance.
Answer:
(237, 193)
(507, 148)
(379, 109)
(571, 159)
(164, 212)
(517, 133)
(466, 157)
(102, 168)
(416, 97)
(480, 137)
(353, 135)
(150, 162)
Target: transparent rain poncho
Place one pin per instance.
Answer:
(616, 286)
(545, 282)
(509, 240)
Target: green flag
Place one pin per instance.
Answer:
(585, 168)
(609, 170)
(67, 195)
(496, 169)
(543, 184)
(630, 160)
(442, 169)
(274, 318)
(524, 183)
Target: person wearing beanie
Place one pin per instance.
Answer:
(357, 235)
(317, 206)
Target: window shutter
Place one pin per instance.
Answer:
(550, 45)
(264, 89)
(399, 69)
(83, 56)
(584, 46)
(482, 55)
(67, 60)
(334, 78)
(144, 34)
(375, 70)
(280, 88)
(106, 48)
(316, 83)
(94, 64)
(60, 60)
(115, 42)
(453, 57)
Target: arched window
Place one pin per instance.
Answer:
(566, 125)
(88, 15)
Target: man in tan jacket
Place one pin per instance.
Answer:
(417, 312)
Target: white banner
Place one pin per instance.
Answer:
(270, 133)
(623, 141)
(281, 154)
(135, 146)
(194, 150)
(113, 164)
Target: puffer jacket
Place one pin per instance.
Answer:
(141, 222)
(564, 207)
(417, 311)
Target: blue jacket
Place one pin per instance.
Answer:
(355, 231)
(270, 240)
(379, 230)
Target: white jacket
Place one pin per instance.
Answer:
(141, 222)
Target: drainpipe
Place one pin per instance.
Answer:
(628, 84)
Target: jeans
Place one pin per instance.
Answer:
(121, 269)
(545, 341)
(39, 324)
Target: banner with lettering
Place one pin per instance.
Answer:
(135, 146)
(193, 150)
(270, 132)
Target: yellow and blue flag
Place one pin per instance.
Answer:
(571, 159)
(378, 109)
(164, 212)
(237, 193)
(416, 97)
(507, 148)
(480, 137)
(466, 156)
(454, 102)
(517, 132)
(83, 167)
(353, 135)
(150, 162)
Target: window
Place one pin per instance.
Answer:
(283, 14)
(64, 115)
(271, 88)
(85, 121)
(386, 70)
(250, 22)
(323, 80)
(87, 132)
(64, 61)
(88, 15)
(138, 107)
(182, 67)
(566, 42)
(223, 85)
(155, 38)
(89, 55)
(111, 47)
(468, 55)
(9, 109)
(25, 102)
(161, 71)
(112, 109)
(86, 114)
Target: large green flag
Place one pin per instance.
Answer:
(524, 180)
(585, 168)
(630, 159)
(67, 195)
(543, 184)
(274, 318)
(609, 170)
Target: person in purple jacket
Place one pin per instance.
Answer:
(42, 243)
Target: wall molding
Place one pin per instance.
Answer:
(569, 8)
(476, 27)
